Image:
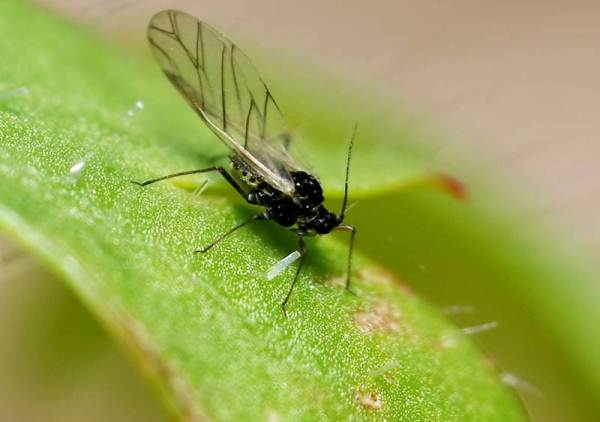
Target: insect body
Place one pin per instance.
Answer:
(222, 86)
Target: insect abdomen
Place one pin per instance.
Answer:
(245, 173)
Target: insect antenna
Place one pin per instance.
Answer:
(345, 202)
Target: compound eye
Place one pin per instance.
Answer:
(326, 223)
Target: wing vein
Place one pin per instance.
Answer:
(221, 84)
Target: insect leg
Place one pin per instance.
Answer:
(227, 233)
(220, 169)
(302, 248)
(352, 231)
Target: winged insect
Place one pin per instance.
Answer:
(222, 86)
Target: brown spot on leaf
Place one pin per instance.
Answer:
(372, 276)
(380, 317)
(337, 281)
(380, 276)
(368, 400)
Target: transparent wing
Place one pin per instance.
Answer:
(221, 84)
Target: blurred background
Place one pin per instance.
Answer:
(514, 83)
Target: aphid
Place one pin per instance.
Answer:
(220, 83)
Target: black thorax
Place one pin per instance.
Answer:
(303, 208)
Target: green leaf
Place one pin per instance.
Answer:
(541, 292)
(209, 328)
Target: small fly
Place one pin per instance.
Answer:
(220, 83)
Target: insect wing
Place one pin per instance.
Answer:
(222, 86)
